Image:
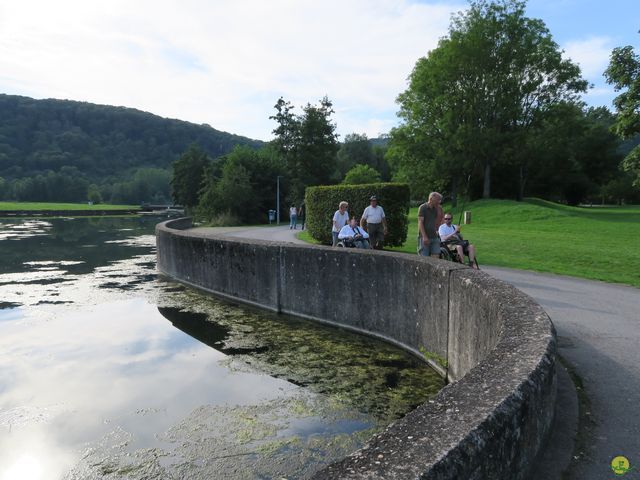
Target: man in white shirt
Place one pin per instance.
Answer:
(375, 223)
(451, 233)
(351, 233)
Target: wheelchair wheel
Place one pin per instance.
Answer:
(445, 254)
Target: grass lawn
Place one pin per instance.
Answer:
(601, 243)
(62, 206)
(304, 236)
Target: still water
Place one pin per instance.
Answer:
(109, 371)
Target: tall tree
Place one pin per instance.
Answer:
(624, 73)
(307, 143)
(470, 100)
(188, 176)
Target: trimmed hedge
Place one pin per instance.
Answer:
(322, 202)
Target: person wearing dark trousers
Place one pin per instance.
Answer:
(374, 223)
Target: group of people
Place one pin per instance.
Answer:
(435, 227)
(368, 234)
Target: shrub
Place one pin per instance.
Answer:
(322, 202)
(361, 174)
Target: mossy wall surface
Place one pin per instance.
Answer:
(494, 343)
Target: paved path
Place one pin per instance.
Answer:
(278, 234)
(598, 327)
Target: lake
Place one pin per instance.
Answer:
(108, 370)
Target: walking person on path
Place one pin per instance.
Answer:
(340, 219)
(374, 223)
(430, 217)
(293, 217)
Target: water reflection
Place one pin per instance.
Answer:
(95, 383)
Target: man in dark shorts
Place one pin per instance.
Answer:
(430, 216)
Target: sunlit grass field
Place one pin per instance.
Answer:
(601, 243)
(35, 206)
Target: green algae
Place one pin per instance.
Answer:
(352, 370)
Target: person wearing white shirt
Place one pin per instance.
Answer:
(293, 217)
(340, 219)
(351, 233)
(375, 223)
(451, 233)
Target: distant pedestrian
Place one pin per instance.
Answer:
(374, 223)
(293, 217)
(430, 216)
(340, 219)
(302, 212)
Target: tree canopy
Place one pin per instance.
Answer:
(624, 73)
(307, 143)
(361, 174)
(474, 98)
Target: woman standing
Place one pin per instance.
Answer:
(340, 219)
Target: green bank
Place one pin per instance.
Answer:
(599, 243)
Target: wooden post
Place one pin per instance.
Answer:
(467, 218)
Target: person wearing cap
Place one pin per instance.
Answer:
(429, 220)
(374, 223)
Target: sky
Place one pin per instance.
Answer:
(226, 62)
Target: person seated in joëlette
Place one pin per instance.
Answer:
(450, 233)
(353, 234)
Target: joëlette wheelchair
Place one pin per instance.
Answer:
(448, 250)
(351, 243)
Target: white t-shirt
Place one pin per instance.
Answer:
(293, 211)
(373, 215)
(444, 230)
(340, 220)
(347, 232)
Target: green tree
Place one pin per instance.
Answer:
(242, 183)
(93, 194)
(188, 176)
(234, 190)
(624, 74)
(307, 144)
(473, 98)
(361, 174)
(355, 150)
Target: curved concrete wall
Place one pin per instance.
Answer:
(493, 343)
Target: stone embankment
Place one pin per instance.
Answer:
(494, 344)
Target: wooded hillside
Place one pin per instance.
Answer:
(95, 144)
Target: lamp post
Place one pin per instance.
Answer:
(278, 199)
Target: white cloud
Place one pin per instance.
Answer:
(592, 54)
(224, 63)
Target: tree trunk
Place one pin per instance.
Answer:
(486, 191)
(521, 183)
